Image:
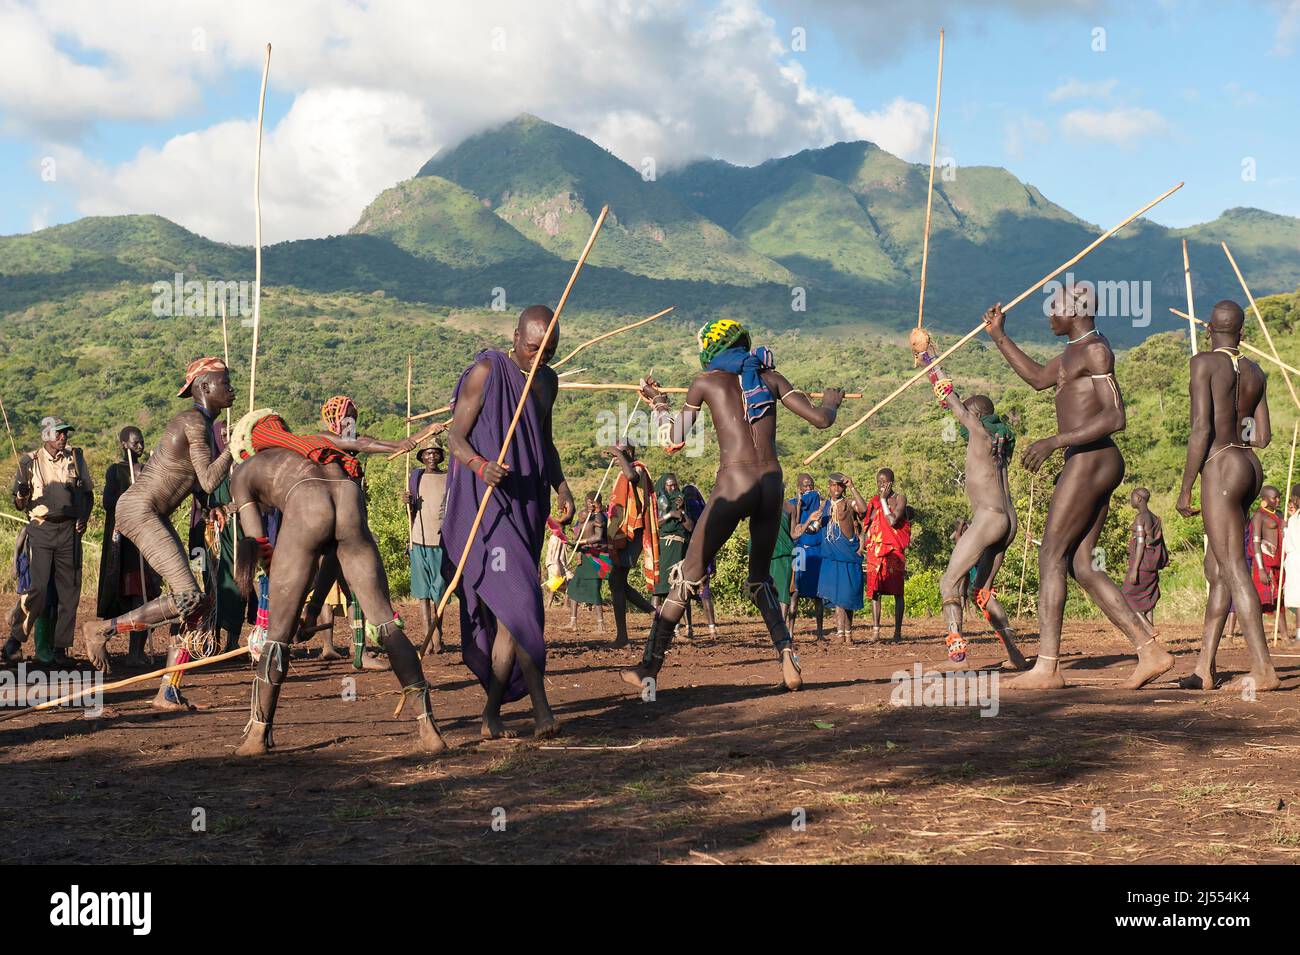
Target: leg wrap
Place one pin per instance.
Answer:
(952, 614)
(424, 708)
(982, 598)
(272, 668)
(763, 594)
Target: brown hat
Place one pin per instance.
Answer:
(199, 366)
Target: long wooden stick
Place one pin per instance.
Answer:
(1263, 327)
(12, 446)
(519, 410)
(622, 386)
(177, 668)
(1258, 352)
(257, 227)
(1191, 334)
(980, 327)
(929, 193)
(406, 475)
(1281, 574)
(617, 331)
(1191, 305)
(1024, 559)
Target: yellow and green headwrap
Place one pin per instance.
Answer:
(719, 335)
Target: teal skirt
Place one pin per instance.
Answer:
(426, 572)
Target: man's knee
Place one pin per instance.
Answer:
(185, 602)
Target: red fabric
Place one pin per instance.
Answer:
(272, 432)
(1273, 562)
(886, 552)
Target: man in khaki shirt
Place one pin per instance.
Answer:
(54, 488)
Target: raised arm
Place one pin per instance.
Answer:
(965, 417)
(673, 430)
(1039, 377)
(822, 416)
(364, 444)
(1198, 439)
(208, 471)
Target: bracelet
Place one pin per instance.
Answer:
(481, 468)
(470, 463)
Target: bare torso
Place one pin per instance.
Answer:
(181, 465)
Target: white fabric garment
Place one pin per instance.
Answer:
(1291, 561)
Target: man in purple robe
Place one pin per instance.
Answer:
(499, 590)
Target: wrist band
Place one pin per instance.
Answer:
(482, 467)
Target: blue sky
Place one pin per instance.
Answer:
(359, 97)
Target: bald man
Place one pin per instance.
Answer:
(502, 622)
(1229, 420)
(1089, 409)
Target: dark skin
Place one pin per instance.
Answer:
(1142, 532)
(132, 442)
(984, 541)
(1089, 409)
(530, 338)
(1220, 449)
(846, 515)
(181, 461)
(432, 459)
(804, 483)
(593, 535)
(896, 507)
(749, 485)
(621, 592)
(323, 509)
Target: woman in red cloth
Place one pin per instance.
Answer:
(889, 532)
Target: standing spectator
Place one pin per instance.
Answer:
(426, 493)
(53, 487)
(125, 580)
(1147, 556)
(840, 582)
(888, 533)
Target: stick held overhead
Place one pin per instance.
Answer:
(980, 327)
(929, 193)
(257, 228)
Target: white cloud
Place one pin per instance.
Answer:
(1122, 126)
(1078, 89)
(377, 88)
(1288, 28)
(1023, 131)
(329, 156)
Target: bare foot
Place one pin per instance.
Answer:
(1198, 680)
(620, 641)
(169, 698)
(493, 728)
(1254, 682)
(327, 652)
(370, 661)
(636, 677)
(439, 646)
(255, 742)
(430, 740)
(546, 727)
(1153, 661)
(97, 645)
(1015, 659)
(791, 675)
(1044, 676)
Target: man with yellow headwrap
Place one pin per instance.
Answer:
(742, 389)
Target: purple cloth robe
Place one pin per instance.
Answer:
(500, 583)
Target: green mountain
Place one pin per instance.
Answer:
(550, 183)
(434, 218)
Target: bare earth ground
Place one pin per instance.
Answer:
(712, 771)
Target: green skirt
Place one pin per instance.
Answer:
(426, 572)
(782, 566)
(672, 550)
(584, 585)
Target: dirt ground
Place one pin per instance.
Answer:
(722, 767)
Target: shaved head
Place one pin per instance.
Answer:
(529, 332)
(1077, 299)
(981, 405)
(1227, 317)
